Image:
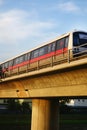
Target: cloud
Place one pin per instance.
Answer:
(16, 25)
(68, 6)
(18, 29)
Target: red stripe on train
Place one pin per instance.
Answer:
(58, 52)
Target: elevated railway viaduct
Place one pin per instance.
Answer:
(45, 86)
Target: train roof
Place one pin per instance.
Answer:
(43, 44)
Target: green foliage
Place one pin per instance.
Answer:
(15, 106)
(64, 101)
(26, 108)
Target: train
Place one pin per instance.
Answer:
(51, 53)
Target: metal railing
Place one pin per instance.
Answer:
(77, 52)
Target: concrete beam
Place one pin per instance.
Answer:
(66, 82)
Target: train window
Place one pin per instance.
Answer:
(34, 54)
(49, 47)
(2, 66)
(21, 59)
(16, 61)
(82, 38)
(6, 65)
(66, 41)
(75, 39)
(25, 57)
(11, 63)
(60, 44)
(53, 46)
(28, 56)
(43, 50)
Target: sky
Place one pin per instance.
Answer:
(26, 24)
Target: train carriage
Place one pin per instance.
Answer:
(61, 49)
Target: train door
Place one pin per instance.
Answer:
(75, 43)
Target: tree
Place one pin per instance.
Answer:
(14, 105)
(26, 108)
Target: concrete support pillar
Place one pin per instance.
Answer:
(45, 114)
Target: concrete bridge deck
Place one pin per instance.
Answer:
(66, 79)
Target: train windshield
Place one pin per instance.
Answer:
(79, 38)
